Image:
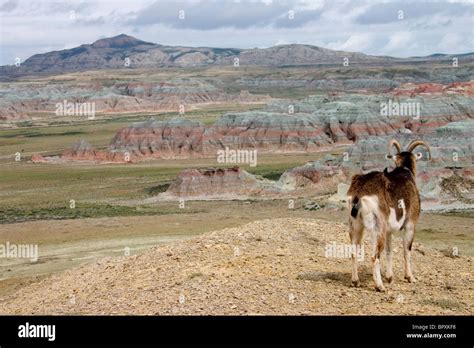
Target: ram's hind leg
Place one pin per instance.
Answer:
(377, 232)
(389, 257)
(407, 244)
(356, 231)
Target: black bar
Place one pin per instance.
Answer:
(187, 330)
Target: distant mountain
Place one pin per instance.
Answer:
(125, 51)
(444, 56)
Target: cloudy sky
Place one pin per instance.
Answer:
(396, 28)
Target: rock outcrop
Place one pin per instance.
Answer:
(83, 151)
(435, 89)
(177, 138)
(37, 158)
(217, 183)
(445, 182)
(451, 146)
(314, 178)
(309, 125)
(31, 100)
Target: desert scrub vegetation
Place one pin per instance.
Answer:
(154, 190)
(82, 211)
(469, 213)
(272, 174)
(444, 303)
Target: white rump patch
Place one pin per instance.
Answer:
(370, 211)
(393, 223)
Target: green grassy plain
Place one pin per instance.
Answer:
(25, 184)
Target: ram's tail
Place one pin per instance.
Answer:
(355, 207)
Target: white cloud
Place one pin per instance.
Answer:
(451, 42)
(281, 42)
(309, 5)
(355, 43)
(399, 42)
(29, 27)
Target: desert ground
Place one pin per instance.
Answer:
(66, 243)
(272, 266)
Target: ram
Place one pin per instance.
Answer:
(382, 202)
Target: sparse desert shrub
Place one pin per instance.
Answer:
(154, 190)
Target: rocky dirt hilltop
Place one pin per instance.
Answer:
(278, 266)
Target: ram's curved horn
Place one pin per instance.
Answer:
(395, 144)
(416, 143)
